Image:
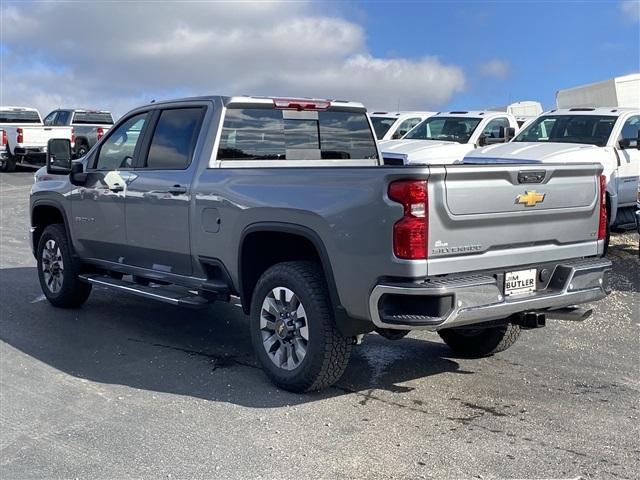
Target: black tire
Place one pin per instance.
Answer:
(70, 291)
(480, 342)
(327, 351)
(8, 164)
(81, 150)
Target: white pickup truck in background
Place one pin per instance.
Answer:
(582, 135)
(394, 125)
(24, 137)
(448, 136)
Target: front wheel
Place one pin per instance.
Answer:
(481, 341)
(293, 331)
(58, 270)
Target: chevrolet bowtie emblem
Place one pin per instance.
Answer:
(530, 199)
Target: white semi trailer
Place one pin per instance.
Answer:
(615, 92)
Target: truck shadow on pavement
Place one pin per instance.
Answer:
(122, 340)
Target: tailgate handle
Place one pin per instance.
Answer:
(531, 176)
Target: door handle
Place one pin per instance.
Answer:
(116, 187)
(177, 190)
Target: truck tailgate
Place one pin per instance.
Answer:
(39, 136)
(495, 216)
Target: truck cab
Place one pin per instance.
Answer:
(448, 136)
(605, 135)
(395, 125)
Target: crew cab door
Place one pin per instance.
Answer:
(629, 162)
(98, 206)
(159, 196)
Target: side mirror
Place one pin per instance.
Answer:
(482, 141)
(59, 156)
(625, 143)
(509, 133)
(396, 135)
(78, 175)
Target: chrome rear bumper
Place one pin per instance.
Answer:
(474, 299)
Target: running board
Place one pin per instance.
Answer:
(161, 293)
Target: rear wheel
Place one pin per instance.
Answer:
(82, 150)
(480, 342)
(293, 331)
(58, 270)
(8, 164)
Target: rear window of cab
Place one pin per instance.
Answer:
(271, 134)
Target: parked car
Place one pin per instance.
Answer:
(394, 125)
(88, 126)
(25, 138)
(282, 202)
(448, 136)
(609, 136)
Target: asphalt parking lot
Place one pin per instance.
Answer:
(128, 388)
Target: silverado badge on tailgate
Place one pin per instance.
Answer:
(530, 198)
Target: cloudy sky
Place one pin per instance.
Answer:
(417, 55)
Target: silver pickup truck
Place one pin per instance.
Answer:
(285, 204)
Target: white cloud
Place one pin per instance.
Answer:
(495, 68)
(116, 55)
(631, 10)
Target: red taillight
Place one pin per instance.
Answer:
(410, 233)
(73, 136)
(602, 226)
(4, 137)
(19, 135)
(300, 104)
(99, 132)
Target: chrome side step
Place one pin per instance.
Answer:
(182, 298)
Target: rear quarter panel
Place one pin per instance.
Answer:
(347, 208)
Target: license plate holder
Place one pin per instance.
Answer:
(520, 282)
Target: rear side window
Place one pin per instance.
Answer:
(62, 118)
(268, 134)
(174, 138)
(95, 118)
(19, 116)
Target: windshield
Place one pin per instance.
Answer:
(446, 129)
(382, 125)
(587, 129)
(99, 118)
(266, 134)
(19, 116)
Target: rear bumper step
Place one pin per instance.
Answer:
(453, 302)
(182, 298)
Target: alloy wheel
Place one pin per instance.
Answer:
(284, 328)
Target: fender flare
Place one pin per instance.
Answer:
(348, 326)
(48, 202)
